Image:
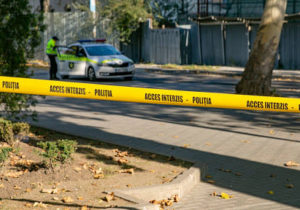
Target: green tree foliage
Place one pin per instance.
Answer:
(19, 36)
(124, 16)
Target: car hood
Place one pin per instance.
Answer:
(115, 59)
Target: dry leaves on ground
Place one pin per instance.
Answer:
(129, 171)
(289, 186)
(222, 195)
(166, 202)
(50, 191)
(120, 154)
(40, 205)
(109, 197)
(291, 163)
(67, 200)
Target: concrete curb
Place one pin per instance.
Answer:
(179, 186)
(283, 74)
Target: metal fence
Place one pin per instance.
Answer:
(210, 44)
(239, 8)
(207, 44)
(70, 27)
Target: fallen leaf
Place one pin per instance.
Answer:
(175, 137)
(28, 190)
(168, 202)
(208, 144)
(214, 194)
(28, 205)
(176, 198)
(17, 187)
(208, 176)
(289, 186)
(271, 131)
(271, 192)
(98, 176)
(225, 196)
(291, 164)
(154, 202)
(128, 185)
(1, 185)
(129, 171)
(152, 171)
(67, 200)
(109, 197)
(55, 198)
(49, 191)
(79, 198)
(122, 161)
(84, 208)
(40, 205)
(186, 145)
(122, 154)
(99, 171)
(211, 181)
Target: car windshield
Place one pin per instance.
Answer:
(102, 50)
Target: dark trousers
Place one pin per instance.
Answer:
(53, 66)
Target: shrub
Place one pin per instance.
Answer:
(67, 148)
(6, 132)
(4, 153)
(60, 150)
(21, 128)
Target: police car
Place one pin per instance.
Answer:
(93, 59)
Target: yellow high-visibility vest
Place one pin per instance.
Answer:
(50, 47)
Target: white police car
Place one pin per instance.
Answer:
(93, 59)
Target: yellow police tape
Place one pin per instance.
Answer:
(147, 95)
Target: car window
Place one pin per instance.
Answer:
(81, 52)
(103, 50)
(71, 50)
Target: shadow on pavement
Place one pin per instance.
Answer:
(256, 178)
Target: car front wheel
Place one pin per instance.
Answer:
(91, 74)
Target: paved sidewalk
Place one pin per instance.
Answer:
(254, 145)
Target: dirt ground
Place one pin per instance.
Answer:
(80, 183)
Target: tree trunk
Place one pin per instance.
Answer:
(257, 76)
(44, 5)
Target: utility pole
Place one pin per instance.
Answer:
(93, 10)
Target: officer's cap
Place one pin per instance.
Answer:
(55, 38)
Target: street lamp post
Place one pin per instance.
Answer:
(93, 10)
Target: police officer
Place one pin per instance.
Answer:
(51, 51)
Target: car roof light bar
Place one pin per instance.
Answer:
(92, 40)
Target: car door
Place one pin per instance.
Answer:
(63, 54)
(76, 64)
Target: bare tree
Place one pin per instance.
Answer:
(257, 75)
